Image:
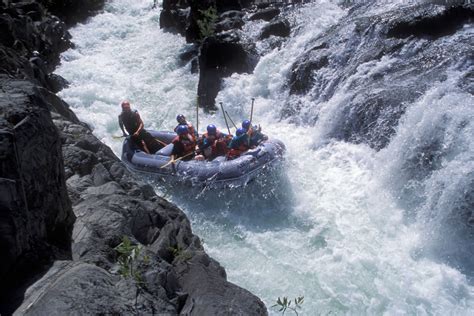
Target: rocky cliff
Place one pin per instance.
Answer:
(78, 232)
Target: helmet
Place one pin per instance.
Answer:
(211, 129)
(180, 118)
(246, 124)
(240, 131)
(182, 129)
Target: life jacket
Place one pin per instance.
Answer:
(189, 145)
(131, 121)
(218, 146)
(238, 146)
(191, 130)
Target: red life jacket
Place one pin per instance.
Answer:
(189, 145)
(236, 152)
(192, 131)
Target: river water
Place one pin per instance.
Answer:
(328, 224)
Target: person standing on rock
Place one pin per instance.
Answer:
(131, 120)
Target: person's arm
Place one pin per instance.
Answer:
(140, 125)
(121, 125)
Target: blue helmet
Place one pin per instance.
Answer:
(180, 118)
(211, 129)
(240, 131)
(246, 124)
(182, 129)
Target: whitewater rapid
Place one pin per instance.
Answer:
(327, 224)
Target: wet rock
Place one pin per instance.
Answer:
(279, 27)
(379, 62)
(302, 75)
(435, 23)
(265, 14)
(229, 23)
(219, 57)
(56, 83)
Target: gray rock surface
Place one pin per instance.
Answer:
(36, 217)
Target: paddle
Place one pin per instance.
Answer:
(250, 127)
(225, 118)
(178, 159)
(197, 118)
(251, 112)
(230, 119)
(159, 141)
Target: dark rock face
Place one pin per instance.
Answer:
(280, 27)
(221, 54)
(219, 57)
(36, 218)
(30, 43)
(71, 11)
(265, 14)
(383, 62)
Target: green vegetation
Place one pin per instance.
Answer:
(179, 254)
(207, 22)
(128, 259)
(284, 304)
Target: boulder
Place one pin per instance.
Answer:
(265, 14)
(219, 57)
(279, 27)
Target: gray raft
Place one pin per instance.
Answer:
(218, 172)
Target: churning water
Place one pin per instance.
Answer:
(353, 230)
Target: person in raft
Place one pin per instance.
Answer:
(184, 145)
(131, 121)
(239, 144)
(182, 121)
(212, 144)
(255, 133)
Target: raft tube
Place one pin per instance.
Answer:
(216, 173)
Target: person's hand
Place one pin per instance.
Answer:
(199, 158)
(259, 129)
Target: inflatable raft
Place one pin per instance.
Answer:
(218, 172)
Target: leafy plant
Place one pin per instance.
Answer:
(284, 304)
(178, 253)
(128, 259)
(207, 22)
